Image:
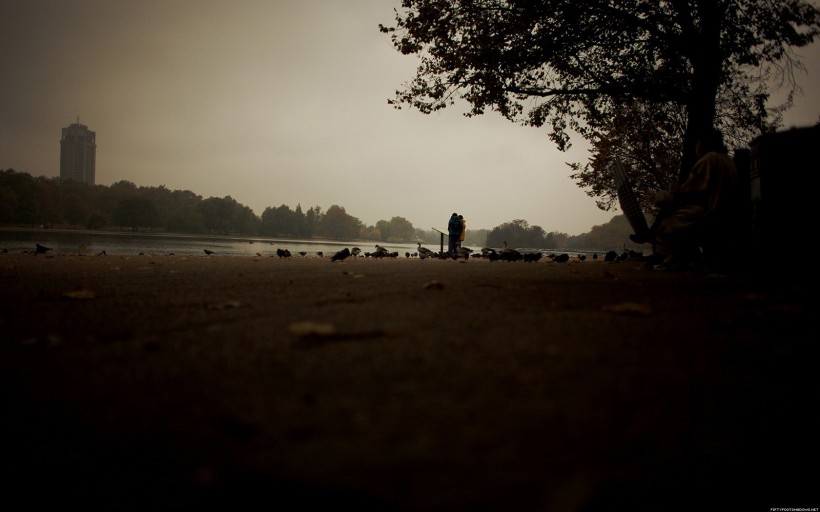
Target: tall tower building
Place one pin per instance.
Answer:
(78, 154)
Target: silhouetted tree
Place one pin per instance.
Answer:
(278, 221)
(313, 218)
(517, 233)
(183, 216)
(401, 230)
(382, 230)
(613, 235)
(396, 230)
(336, 223)
(49, 205)
(216, 215)
(136, 213)
(369, 233)
(96, 220)
(300, 224)
(75, 199)
(243, 220)
(8, 204)
(18, 192)
(598, 67)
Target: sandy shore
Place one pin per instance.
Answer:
(401, 384)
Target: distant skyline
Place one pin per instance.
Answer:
(278, 102)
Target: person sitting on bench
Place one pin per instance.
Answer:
(690, 213)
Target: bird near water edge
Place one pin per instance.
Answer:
(340, 255)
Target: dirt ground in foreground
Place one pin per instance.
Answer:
(404, 384)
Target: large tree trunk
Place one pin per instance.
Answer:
(706, 60)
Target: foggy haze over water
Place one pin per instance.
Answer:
(82, 242)
(162, 244)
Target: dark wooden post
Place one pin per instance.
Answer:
(441, 246)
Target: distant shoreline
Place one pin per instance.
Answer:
(331, 244)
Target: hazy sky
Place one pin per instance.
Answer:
(276, 102)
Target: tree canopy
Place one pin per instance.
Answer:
(638, 79)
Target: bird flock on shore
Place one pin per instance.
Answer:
(505, 253)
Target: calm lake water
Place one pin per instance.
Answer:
(70, 241)
(128, 243)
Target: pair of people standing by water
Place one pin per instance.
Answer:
(456, 228)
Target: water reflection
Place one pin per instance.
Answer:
(157, 244)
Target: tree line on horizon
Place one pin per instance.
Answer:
(30, 201)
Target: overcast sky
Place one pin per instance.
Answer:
(276, 102)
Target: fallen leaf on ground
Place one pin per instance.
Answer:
(628, 308)
(226, 305)
(79, 295)
(308, 328)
